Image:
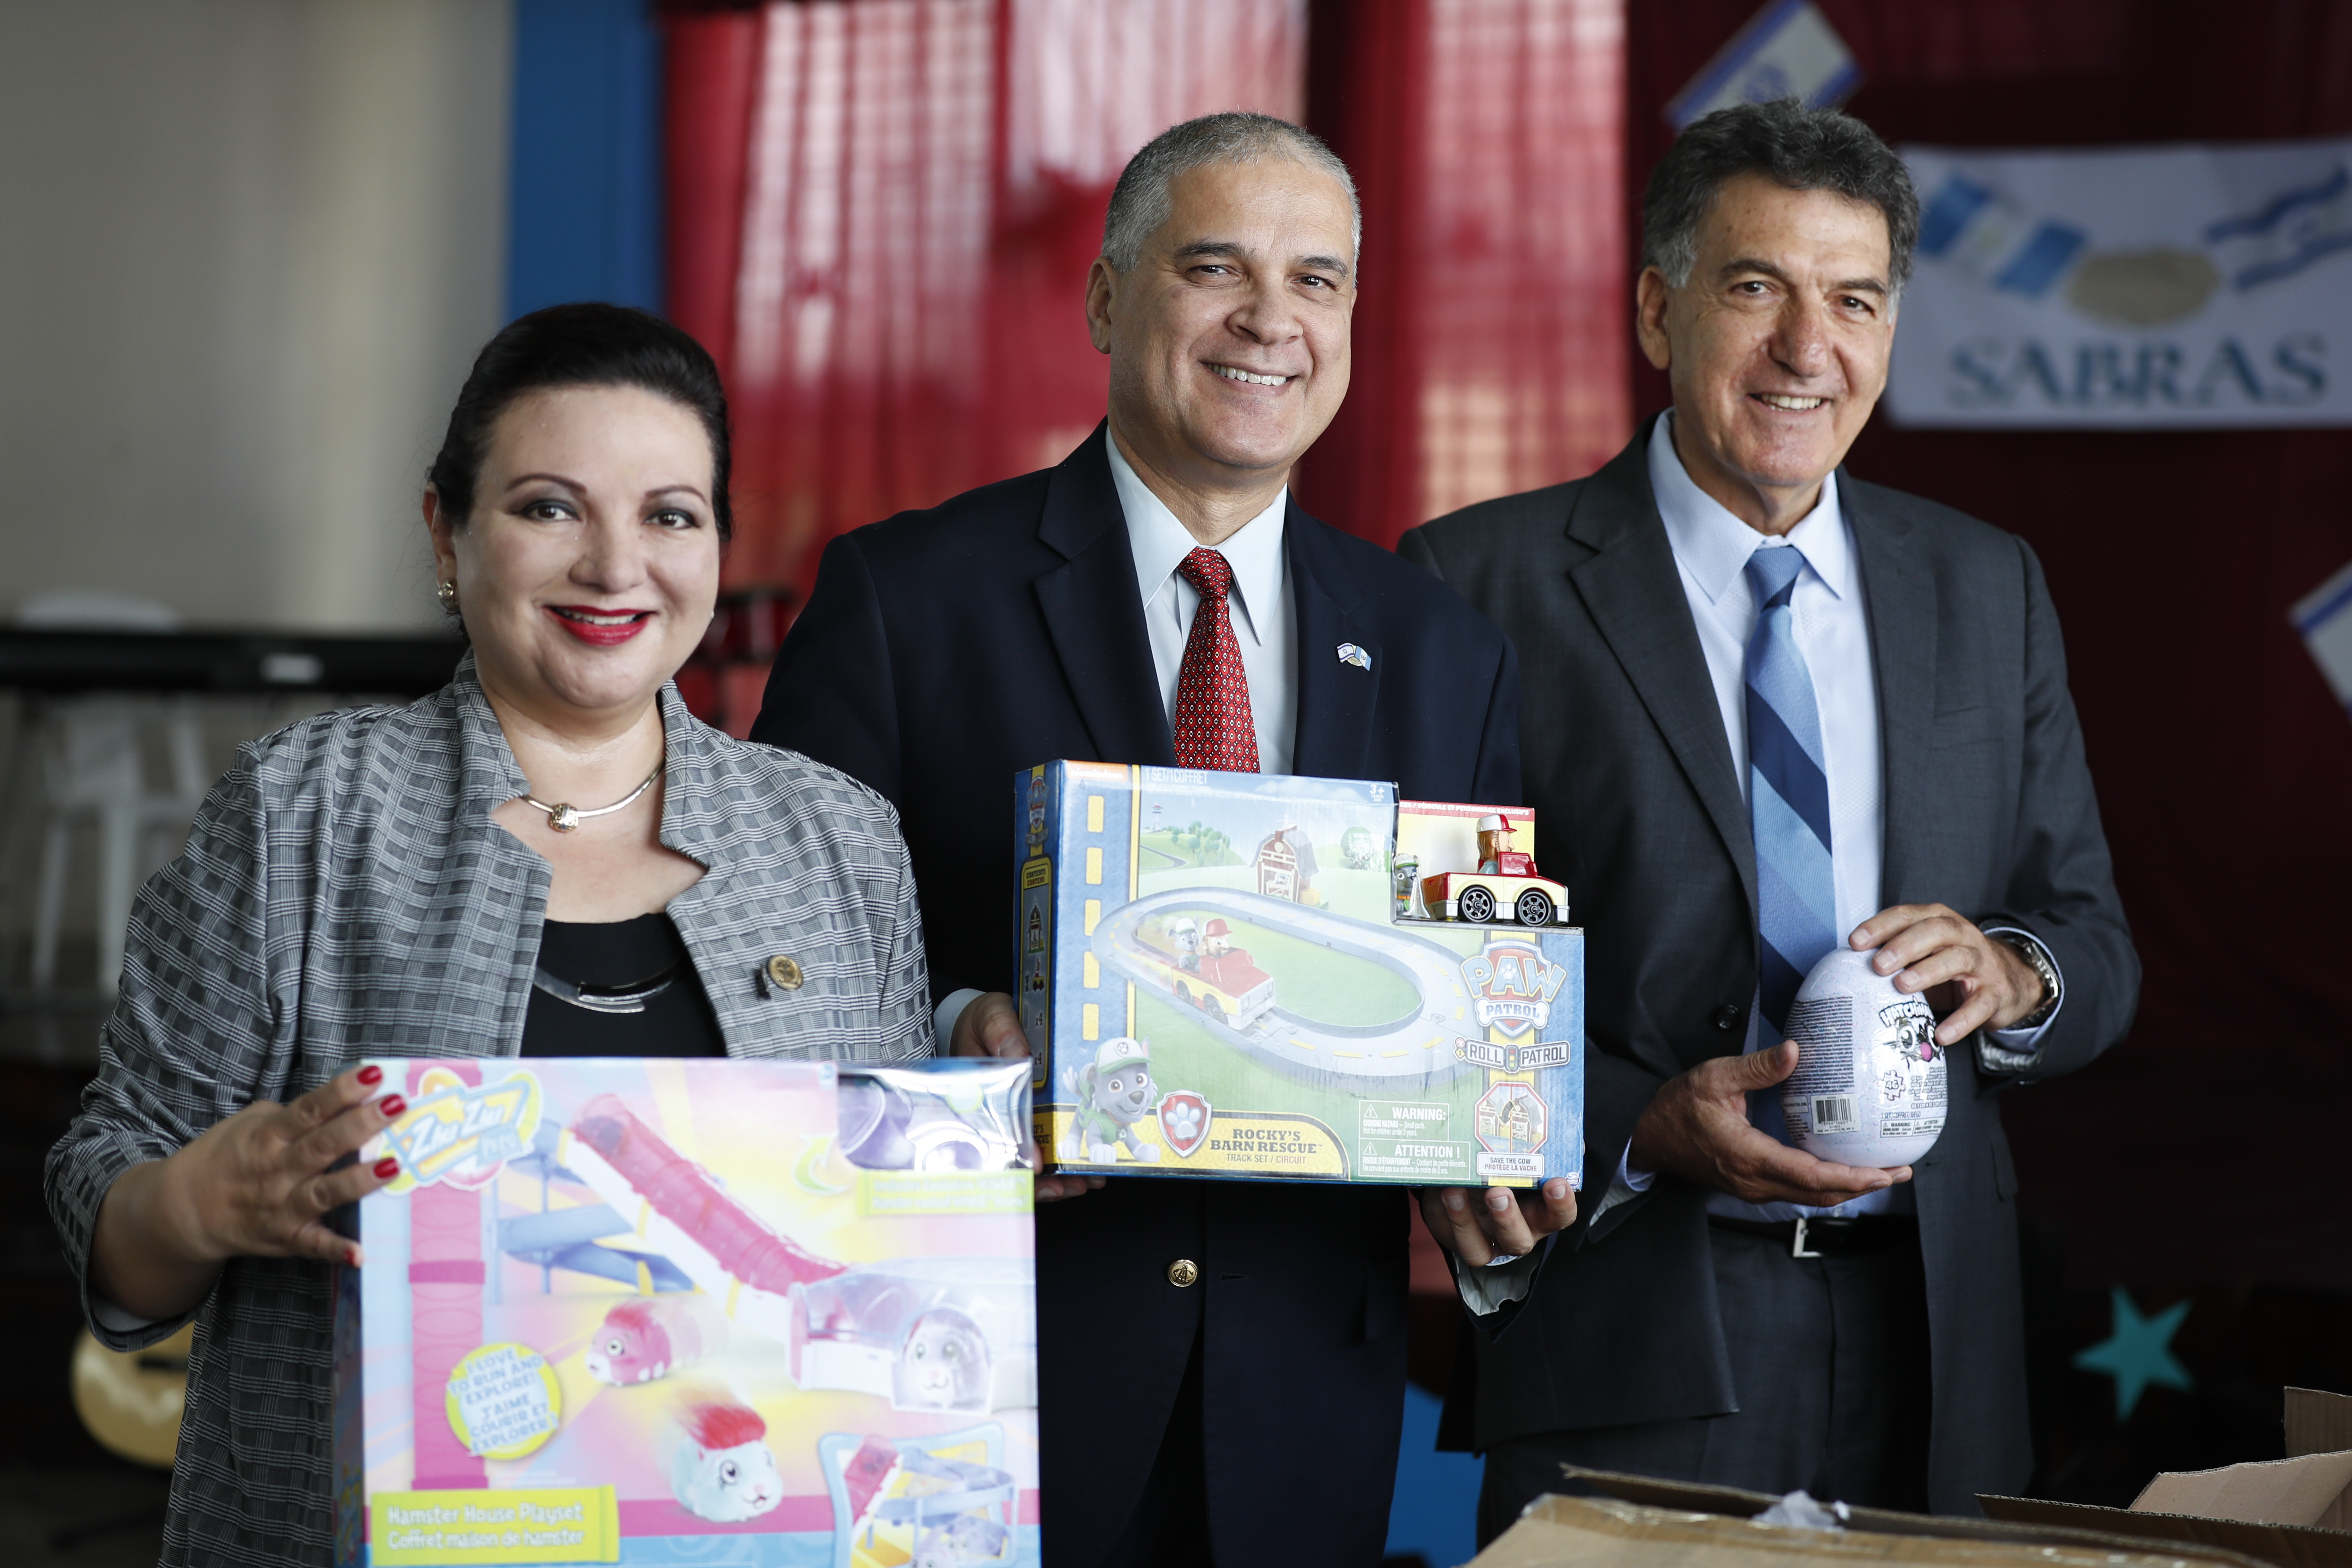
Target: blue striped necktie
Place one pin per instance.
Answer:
(1788, 790)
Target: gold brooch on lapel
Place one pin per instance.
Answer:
(781, 973)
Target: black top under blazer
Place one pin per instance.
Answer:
(942, 652)
(1989, 808)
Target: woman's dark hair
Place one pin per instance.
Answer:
(580, 345)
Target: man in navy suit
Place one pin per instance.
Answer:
(1221, 1362)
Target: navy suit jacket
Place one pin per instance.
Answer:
(1989, 809)
(943, 652)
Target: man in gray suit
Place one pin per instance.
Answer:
(1771, 709)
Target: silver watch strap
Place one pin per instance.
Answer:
(2029, 947)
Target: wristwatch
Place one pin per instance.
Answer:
(2038, 958)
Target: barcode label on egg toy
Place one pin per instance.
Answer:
(1834, 1113)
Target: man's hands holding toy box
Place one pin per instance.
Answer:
(1505, 1223)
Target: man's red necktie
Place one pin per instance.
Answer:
(1212, 702)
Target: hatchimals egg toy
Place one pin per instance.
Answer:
(1869, 1085)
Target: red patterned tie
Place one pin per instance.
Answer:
(1212, 705)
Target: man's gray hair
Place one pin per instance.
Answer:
(1141, 201)
(1797, 148)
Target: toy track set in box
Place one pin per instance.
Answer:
(671, 1311)
(1251, 975)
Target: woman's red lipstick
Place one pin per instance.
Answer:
(603, 631)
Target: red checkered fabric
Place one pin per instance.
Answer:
(1213, 706)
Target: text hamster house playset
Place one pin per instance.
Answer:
(1251, 976)
(665, 1311)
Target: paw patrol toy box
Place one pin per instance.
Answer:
(1250, 975)
(687, 1311)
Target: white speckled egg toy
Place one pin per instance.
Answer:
(1869, 1084)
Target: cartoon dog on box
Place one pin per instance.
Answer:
(1113, 1092)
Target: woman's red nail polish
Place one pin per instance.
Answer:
(387, 1168)
(391, 1105)
(371, 1074)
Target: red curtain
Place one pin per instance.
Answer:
(2208, 1147)
(1490, 344)
(882, 212)
(882, 215)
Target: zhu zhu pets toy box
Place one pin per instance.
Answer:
(667, 1312)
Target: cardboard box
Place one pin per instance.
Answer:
(1632, 1521)
(2293, 1513)
(1229, 975)
(612, 1310)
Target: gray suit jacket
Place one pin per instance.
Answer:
(1989, 808)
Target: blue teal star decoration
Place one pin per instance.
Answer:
(2138, 1352)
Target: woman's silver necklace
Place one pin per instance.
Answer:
(564, 818)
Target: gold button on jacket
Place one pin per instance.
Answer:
(1182, 1272)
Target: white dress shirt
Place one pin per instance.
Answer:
(1264, 621)
(1260, 598)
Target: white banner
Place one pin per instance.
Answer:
(2179, 286)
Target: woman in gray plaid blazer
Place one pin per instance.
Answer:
(377, 881)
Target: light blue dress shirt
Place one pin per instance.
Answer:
(1831, 618)
(1832, 629)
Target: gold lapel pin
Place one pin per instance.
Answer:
(783, 971)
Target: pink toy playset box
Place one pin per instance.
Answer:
(759, 1314)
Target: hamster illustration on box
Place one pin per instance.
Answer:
(720, 1466)
(648, 1338)
(612, 1306)
(944, 1365)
